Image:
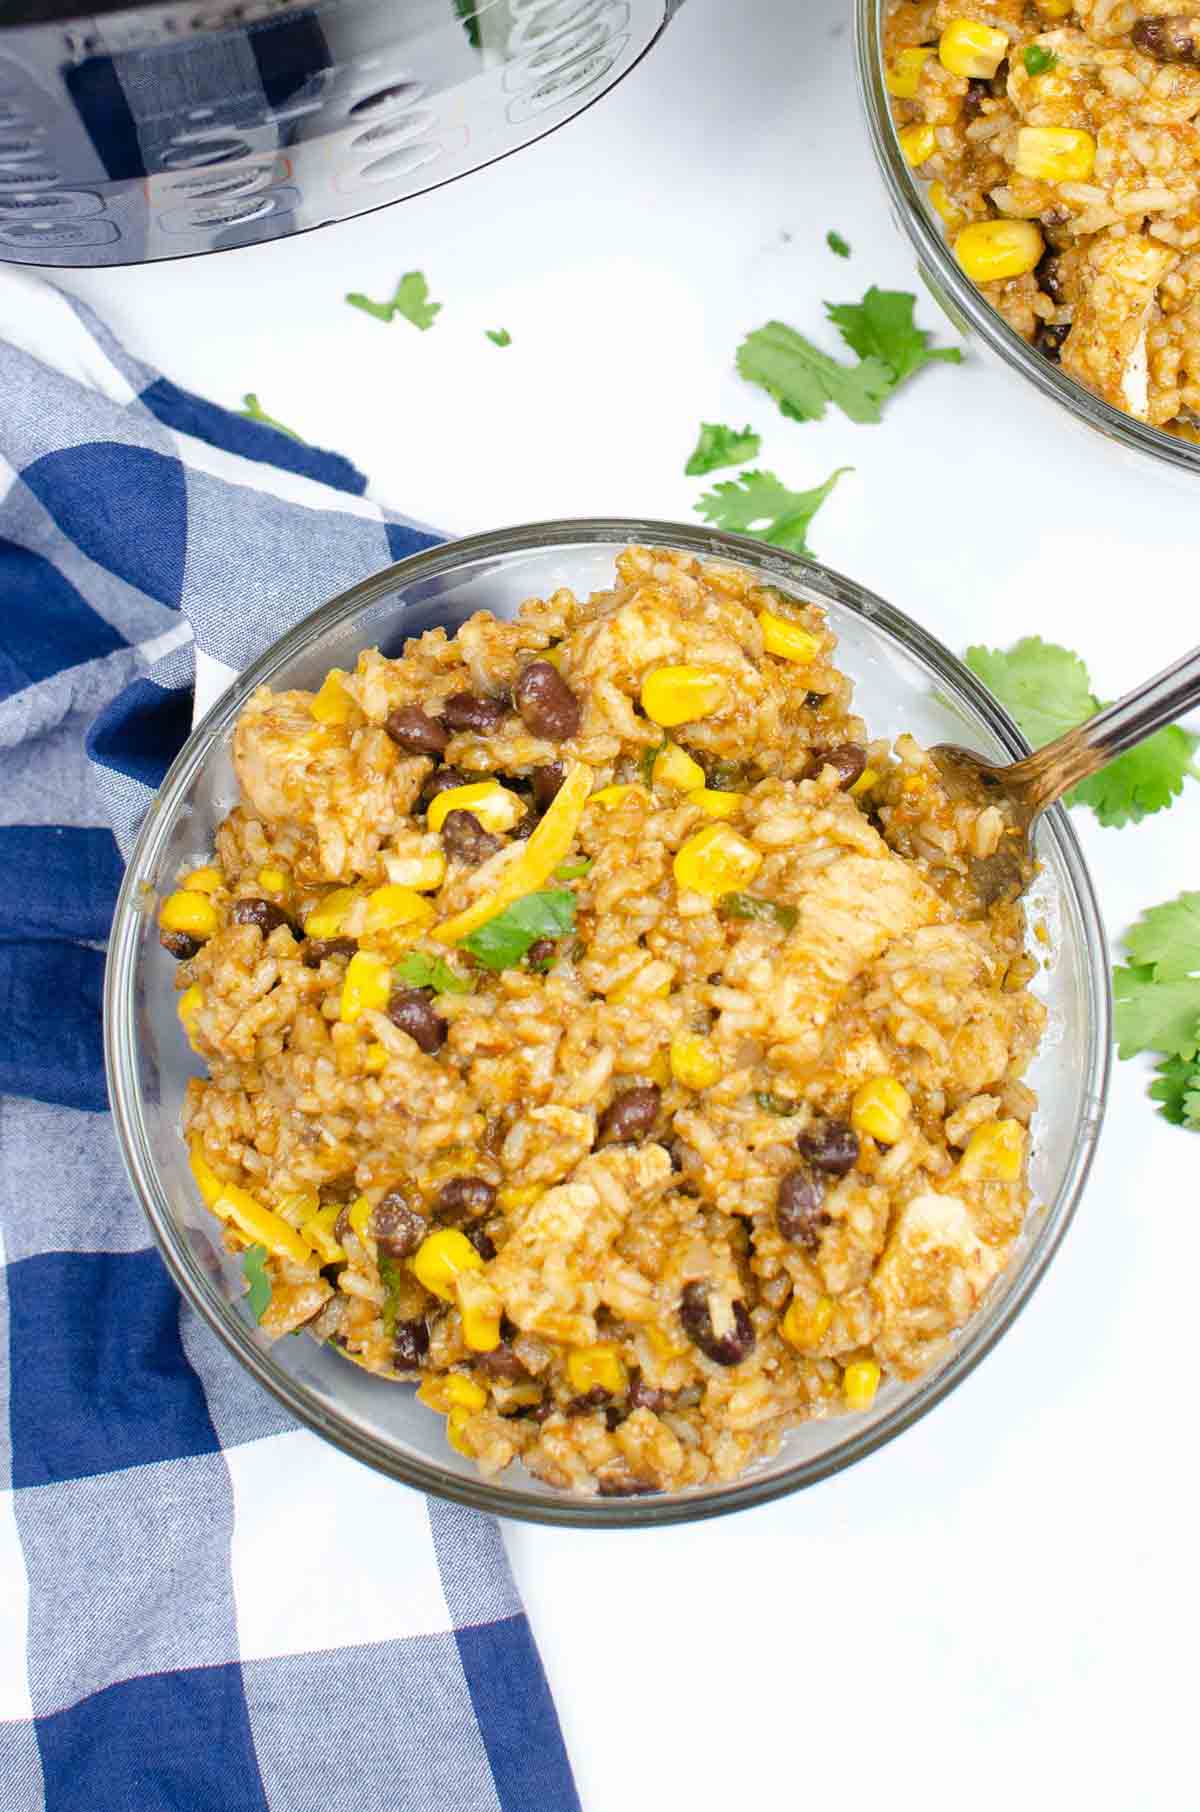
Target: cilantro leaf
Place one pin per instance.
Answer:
(499, 336)
(881, 326)
(1168, 937)
(1153, 1015)
(253, 412)
(410, 300)
(504, 940)
(804, 380)
(1037, 59)
(416, 969)
(571, 871)
(254, 1270)
(837, 244)
(759, 497)
(1046, 687)
(392, 1277)
(752, 906)
(466, 10)
(721, 446)
(1143, 780)
(1177, 1091)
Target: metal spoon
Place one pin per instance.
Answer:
(1028, 786)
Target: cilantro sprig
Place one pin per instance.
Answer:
(759, 504)
(503, 941)
(721, 446)
(254, 1270)
(411, 299)
(1037, 59)
(1048, 690)
(839, 246)
(1157, 998)
(499, 336)
(417, 969)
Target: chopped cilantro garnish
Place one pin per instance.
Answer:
(1048, 690)
(776, 1104)
(837, 244)
(727, 776)
(418, 970)
(1037, 59)
(649, 757)
(392, 1277)
(760, 498)
(721, 446)
(255, 413)
(254, 1270)
(499, 336)
(1158, 1004)
(881, 326)
(504, 940)
(410, 300)
(749, 906)
(571, 871)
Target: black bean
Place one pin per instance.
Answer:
(341, 1227)
(831, 1146)
(540, 954)
(999, 82)
(799, 1214)
(537, 1412)
(316, 949)
(443, 779)
(396, 1226)
(501, 1362)
(614, 1415)
(1049, 340)
(814, 700)
(524, 827)
(483, 1242)
(1168, 40)
(463, 1199)
(547, 704)
(546, 782)
(414, 731)
(645, 1396)
(847, 760)
(621, 1485)
(179, 945)
(412, 1011)
(410, 1345)
(978, 91)
(465, 840)
(1048, 275)
(263, 913)
(629, 1116)
(596, 1398)
(470, 711)
(723, 1349)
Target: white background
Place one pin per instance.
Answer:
(1000, 1608)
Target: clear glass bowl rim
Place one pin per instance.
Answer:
(120, 1028)
(935, 256)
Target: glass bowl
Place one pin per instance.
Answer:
(970, 312)
(904, 680)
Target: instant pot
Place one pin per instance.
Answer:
(137, 132)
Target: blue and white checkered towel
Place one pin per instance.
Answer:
(203, 1608)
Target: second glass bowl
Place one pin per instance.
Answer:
(904, 680)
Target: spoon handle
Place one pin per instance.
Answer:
(1045, 776)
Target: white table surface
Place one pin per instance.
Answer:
(999, 1608)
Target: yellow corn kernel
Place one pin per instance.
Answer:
(495, 807)
(332, 704)
(273, 879)
(187, 1007)
(715, 804)
(716, 861)
(439, 1259)
(360, 1217)
(481, 1329)
(193, 913)
(990, 251)
(454, 1390)
(203, 880)
(519, 1195)
(330, 914)
(860, 1381)
(952, 217)
(694, 1063)
(423, 872)
(456, 1424)
(367, 986)
(659, 1069)
(673, 766)
(540, 856)
(866, 780)
(1055, 153)
(680, 695)
(375, 1059)
(651, 982)
(597, 1367)
(967, 48)
(260, 1226)
(881, 1108)
(903, 74)
(806, 1323)
(610, 796)
(791, 641)
(1055, 9)
(207, 1181)
(994, 1152)
(392, 905)
(918, 142)
(318, 1231)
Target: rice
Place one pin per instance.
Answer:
(717, 1156)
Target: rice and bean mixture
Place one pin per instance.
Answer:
(1060, 142)
(604, 1033)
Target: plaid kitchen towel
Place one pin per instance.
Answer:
(203, 1608)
